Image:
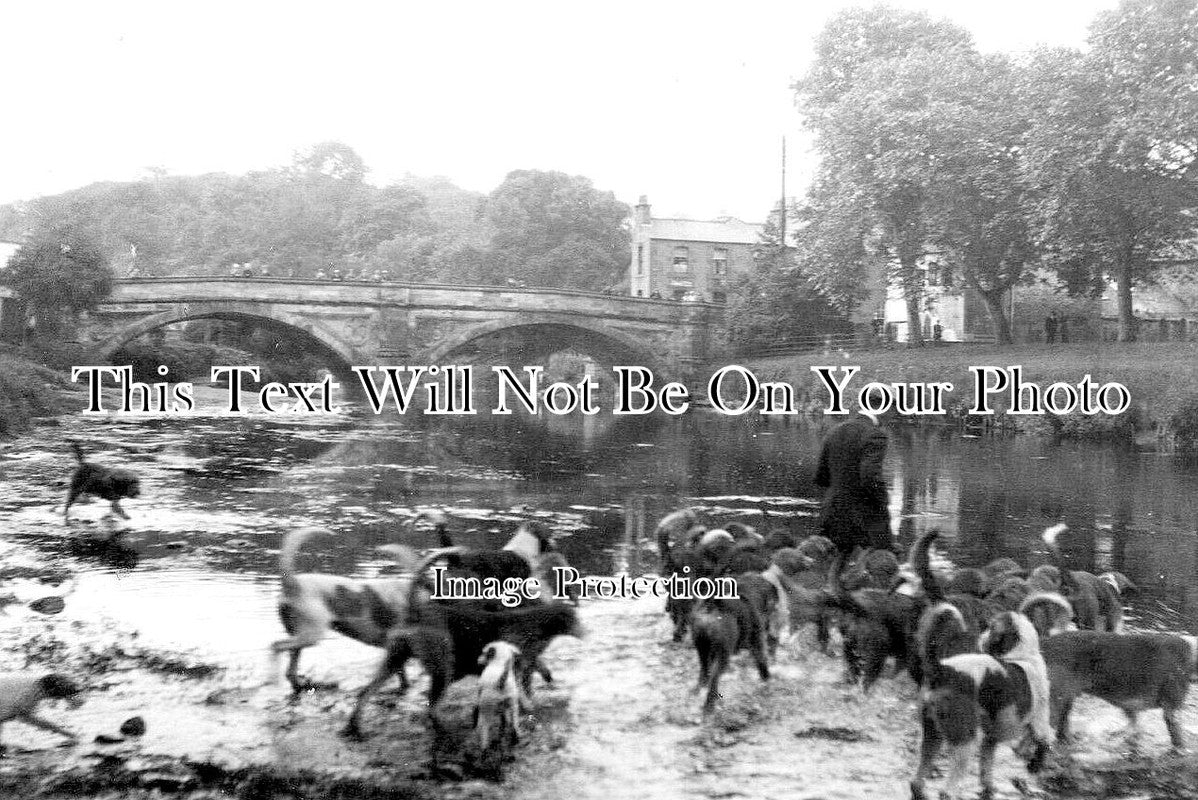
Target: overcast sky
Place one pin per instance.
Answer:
(684, 102)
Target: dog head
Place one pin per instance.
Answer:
(124, 483)
(1045, 578)
(499, 652)
(1050, 613)
(819, 551)
(59, 687)
(967, 580)
(744, 533)
(1010, 635)
(1003, 567)
(716, 543)
(851, 456)
(1009, 593)
(529, 541)
(779, 539)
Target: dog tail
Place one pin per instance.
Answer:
(419, 582)
(921, 563)
(1050, 536)
(942, 633)
(1049, 612)
(834, 593)
(292, 543)
(78, 451)
(440, 525)
(1119, 581)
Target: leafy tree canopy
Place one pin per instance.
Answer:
(58, 275)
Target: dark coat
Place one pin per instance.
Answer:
(855, 509)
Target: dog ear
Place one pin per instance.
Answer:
(488, 655)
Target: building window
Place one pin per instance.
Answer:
(640, 259)
(719, 262)
(682, 262)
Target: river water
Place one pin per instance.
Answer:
(197, 563)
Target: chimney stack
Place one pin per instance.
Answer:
(642, 211)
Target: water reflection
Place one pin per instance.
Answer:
(225, 489)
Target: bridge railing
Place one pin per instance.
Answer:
(488, 288)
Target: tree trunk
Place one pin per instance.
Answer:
(912, 280)
(914, 328)
(1127, 319)
(998, 318)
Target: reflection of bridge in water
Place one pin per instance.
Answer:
(371, 323)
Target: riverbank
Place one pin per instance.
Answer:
(1160, 377)
(29, 391)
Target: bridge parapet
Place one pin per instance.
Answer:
(361, 321)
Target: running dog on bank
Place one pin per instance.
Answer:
(312, 603)
(108, 483)
(20, 694)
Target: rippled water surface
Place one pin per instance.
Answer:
(219, 492)
(197, 567)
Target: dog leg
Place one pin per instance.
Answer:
(823, 635)
(986, 768)
(512, 706)
(353, 728)
(293, 656)
(1060, 720)
(116, 508)
(713, 682)
(47, 725)
(929, 746)
(762, 658)
(1132, 735)
(1175, 735)
(703, 649)
(1039, 753)
(962, 755)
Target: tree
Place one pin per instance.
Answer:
(871, 99)
(1111, 153)
(777, 300)
(555, 230)
(981, 219)
(58, 275)
(333, 160)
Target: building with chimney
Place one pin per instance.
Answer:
(688, 259)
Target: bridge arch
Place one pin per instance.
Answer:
(253, 312)
(601, 340)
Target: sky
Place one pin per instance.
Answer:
(686, 103)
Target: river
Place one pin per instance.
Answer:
(196, 568)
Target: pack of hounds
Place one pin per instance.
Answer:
(1000, 652)
(396, 613)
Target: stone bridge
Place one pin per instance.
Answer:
(369, 324)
